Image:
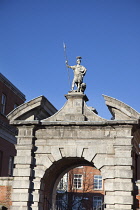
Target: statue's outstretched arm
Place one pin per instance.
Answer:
(71, 67)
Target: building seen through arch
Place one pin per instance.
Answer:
(81, 188)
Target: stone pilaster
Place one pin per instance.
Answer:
(23, 172)
(119, 185)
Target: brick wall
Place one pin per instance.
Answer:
(5, 191)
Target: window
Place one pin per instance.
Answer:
(11, 165)
(77, 181)
(62, 185)
(97, 182)
(61, 201)
(3, 103)
(77, 203)
(97, 202)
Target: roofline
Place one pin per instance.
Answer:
(12, 87)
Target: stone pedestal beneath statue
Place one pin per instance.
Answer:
(75, 106)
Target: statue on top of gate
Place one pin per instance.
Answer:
(79, 73)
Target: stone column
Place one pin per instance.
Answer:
(119, 186)
(23, 172)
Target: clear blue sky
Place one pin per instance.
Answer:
(106, 33)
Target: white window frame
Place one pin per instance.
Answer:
(77, 181)
(3, 103)
(98, 182)
(61, 201)
(99, 201)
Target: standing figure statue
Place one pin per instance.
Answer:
(79, 73)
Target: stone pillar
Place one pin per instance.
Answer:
(42, 164)
(119, 185)
(23, 172)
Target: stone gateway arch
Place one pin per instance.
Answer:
(47, 147)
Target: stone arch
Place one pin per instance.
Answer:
(59, 168)
(61, 159)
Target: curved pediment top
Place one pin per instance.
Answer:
(74, 110)
(120, 110)
(36, 109)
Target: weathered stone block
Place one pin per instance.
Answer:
(123, 161)
(21, 184)
(20, 197)
(109, 199)
(122, 153)
(23, 160)
(107, 172)
(123, 193)
(109, 185)
(22, 190)
(79, 151)
(39, 173)
(70, 151)
(25, 141)
(125, 186)
(19, 207)
(37, 184)
(43, 160)
(123, 174)
(24, 147)
(101, 160)
(22, 172)
(123, 141)
(120, 206)
(88, 154)
(115, 185)
(43, 149)
(24, 153)
(35, 196)
(56, 153)
(123, 199)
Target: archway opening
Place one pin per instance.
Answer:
(80, 188)
(72, 183)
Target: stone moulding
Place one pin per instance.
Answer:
(40, 110)
(35, 109)
(120, 110)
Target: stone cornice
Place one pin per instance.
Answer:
(120, 110)
(84, 123)
(36, 109)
